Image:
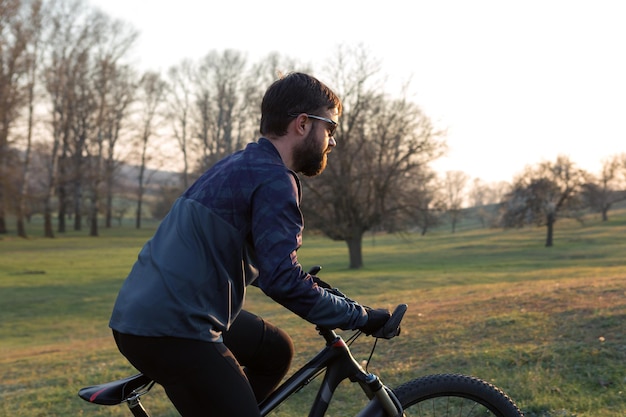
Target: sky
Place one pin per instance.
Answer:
(513, 83)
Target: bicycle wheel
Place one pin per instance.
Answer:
(454, 395)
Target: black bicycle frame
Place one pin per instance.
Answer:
(339, 364)
(335, 358)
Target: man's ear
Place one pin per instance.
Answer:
(300, 124)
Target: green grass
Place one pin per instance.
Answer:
(544, 324)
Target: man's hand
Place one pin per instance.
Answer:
(376, 319)
(320, 283)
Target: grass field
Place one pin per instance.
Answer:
(544, 324)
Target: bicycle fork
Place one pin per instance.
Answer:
(387, 400)
(383, 402)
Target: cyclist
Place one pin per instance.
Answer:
(178, 317)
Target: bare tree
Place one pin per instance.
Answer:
(33, 28)
(66, 80)
(382, 144)
(151, 92)
(608, 188)
(113, 39)
(454, 185)
(485, 198)
(478, 200)
(14, 61)
(180, 94)
(220, 100)
(424, 201)
(122, 92)
(542, 194)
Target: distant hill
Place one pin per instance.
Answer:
(154, 180)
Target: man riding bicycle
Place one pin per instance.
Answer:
(178, 317)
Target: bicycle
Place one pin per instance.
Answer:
(439, 395)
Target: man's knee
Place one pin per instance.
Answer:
(278, 349)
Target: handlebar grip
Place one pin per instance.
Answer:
(315, 270)
(392, 327)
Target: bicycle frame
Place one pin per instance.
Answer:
(339, 363)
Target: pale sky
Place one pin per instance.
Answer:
(514, 83)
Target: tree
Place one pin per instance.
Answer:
(66, 79)
(122, 90)
(14, 61)
(221, 122)
(454, 185)
(608, 188)
(424, 202)
(34, 28)
(542, 194)
(151, 92)
(180, 109)
(485, 198)
(382, 145)
(114, 38)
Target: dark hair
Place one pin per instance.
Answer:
(294, 93)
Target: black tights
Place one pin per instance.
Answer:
(216, 379)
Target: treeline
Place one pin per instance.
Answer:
(74, 110)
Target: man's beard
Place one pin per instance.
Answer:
(310, 159)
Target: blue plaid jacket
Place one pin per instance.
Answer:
(239, 223)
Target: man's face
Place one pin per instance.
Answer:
(311, 155)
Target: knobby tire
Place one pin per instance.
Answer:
(454, 395)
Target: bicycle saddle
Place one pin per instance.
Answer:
(115, 392)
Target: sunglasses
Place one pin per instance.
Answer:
(333, 125)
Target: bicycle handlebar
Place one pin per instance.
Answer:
(392, 327)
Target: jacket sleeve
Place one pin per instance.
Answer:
(277, 235)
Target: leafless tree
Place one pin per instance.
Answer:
(152, 89)
(113, 40)
(33, 27)
(484, 198)
(122, 90)
(82, 67)
(14, 60)
(220, 103)
(608, 188)
(542, 194)
(382, 144)
(179, 112)
(454, 183)
(67, 83)
(424, 201)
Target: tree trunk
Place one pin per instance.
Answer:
(355, 249)
(605, 214)
(3, 225)
(108, 169)
(94, 209)
(62, 209)
(108, 215)
(78, 205)
(21, 229)
(138, 214)
(93, 229)
(47, 205)
(550, 230)
(47, 224)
